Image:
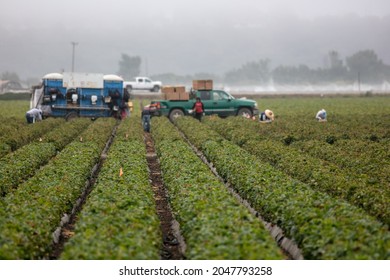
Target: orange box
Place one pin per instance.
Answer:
(179, 89)
(174, 93)
(166, 89)
(172, 96)
(184, 96)
(177, 96)
(170, 89)
(202, 84)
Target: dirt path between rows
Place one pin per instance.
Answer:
(173, 243)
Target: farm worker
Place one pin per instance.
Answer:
(198, 109)
(146, 114)
(34, 115)
(267, 116)
(126, 98)
(124, 109)
(321, 115)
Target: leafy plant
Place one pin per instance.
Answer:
(213, 223)
(16, 167)
(323, 227)
(32, 212)
(321, 175)
(119, 220)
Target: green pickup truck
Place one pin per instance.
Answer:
(216, 102)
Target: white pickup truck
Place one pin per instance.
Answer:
(142, 83)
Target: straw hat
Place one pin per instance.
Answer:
(269, 114)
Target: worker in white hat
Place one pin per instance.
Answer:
(321, 115)
(266, 116)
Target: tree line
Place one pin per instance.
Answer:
(363, 66)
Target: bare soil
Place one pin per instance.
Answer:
(173, 245)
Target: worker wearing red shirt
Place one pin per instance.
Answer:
(198, 109)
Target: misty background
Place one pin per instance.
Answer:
(257, 43)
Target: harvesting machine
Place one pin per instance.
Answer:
(72, 95)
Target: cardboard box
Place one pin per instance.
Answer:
(180, 89)
(172, 96)
(184, 96)
(175, 93)
(166, 89)
(177, 96)
(202, 84)
(172, 89)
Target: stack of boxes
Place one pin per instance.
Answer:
(179, 92)
(175, 93)
(202, 84)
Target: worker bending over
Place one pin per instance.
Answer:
(266, 116)
(34, 115)
(321, 115)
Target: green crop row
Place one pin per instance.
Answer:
(65, 133)
(213, 223)
(30, 214)
(130, 130)
(368, 160)
(16, 167)
(20, 136)
(318, 174)
(365, 128)
(14, 108)
(366, 119)
(325, 177)
(323, 227)
(119, 219)
(22, 164)
(99, 132)
(11, 125)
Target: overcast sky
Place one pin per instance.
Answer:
(185, 36)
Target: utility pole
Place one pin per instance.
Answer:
(74, 44)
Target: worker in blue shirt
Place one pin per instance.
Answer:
(147, 113)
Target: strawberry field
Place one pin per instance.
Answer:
(229, 188)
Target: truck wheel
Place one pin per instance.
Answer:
(244, 112)
(175, 113)
(71, 116)
(155, 89)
